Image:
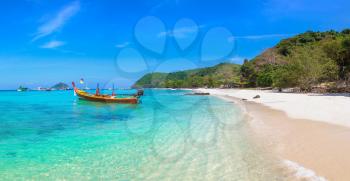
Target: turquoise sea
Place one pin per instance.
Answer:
(169, 136)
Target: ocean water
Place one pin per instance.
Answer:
(169, 136)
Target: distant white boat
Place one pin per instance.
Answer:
(43, 89)
(22, 89)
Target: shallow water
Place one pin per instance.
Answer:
(53, 135)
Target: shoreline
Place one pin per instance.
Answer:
(310, 149)
(328, 108)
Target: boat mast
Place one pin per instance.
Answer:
(113, 94)
(97, 90)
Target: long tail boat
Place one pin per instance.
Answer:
(97, 97)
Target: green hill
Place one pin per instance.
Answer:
(221, 75)
(60, 86)
(305, 61)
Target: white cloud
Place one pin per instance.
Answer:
(52, 44)
(258, 37)
(57, 21)
(122, 45)
(163, 4)
(183, 32)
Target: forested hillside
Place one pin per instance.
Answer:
(221, 75)
(306, 61)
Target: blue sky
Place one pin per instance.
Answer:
(44, 42)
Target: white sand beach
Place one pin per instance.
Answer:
(309, 133)
(330, 108)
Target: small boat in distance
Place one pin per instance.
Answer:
(22, 89)
(97, 97)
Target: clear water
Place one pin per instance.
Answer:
(170, 136)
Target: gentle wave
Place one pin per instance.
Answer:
(301, 172)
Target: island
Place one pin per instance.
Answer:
(60, 86)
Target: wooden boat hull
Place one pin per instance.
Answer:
(105, 98)
(132, 100)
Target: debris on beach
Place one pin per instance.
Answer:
(198, 94)
(256, 97)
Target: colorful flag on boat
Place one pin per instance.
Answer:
(82, 81)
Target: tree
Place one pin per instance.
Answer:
(248, 73)
(339, 50)
(310, 66)
(265, 75)
(346, 31)
(285, 76)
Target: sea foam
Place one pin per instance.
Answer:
(301, 172)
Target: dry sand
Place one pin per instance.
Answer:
(313, 150)
(332, 108)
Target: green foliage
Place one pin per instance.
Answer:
(308, 66)
(151, 80)
(346, 31)
(286, 47)
(224, 74)
(248, 73)
(339, 50)
(285, 76)
(265, 76)
(303, 61)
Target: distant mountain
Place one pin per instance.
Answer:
(221, 75)
(60, 86)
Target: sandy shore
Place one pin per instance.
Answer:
(303, 131)
(333, 108)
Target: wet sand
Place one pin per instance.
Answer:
(311, 146)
